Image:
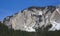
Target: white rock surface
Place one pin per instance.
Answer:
(34, 17)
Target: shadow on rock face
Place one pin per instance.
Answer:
(44, 28)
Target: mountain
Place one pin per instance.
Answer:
(32, 18)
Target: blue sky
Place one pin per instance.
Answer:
(9, 7)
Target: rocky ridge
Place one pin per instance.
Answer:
(33, 18)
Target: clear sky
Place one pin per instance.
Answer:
(9, 7)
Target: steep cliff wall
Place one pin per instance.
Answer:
(33, 18)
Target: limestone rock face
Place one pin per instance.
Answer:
(33, 18)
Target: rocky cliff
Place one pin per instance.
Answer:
(33, 18)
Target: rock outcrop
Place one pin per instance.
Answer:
(33, 18)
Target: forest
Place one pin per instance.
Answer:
(5, 31)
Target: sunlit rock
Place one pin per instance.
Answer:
(33, 18)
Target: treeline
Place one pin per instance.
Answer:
(5, 31)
